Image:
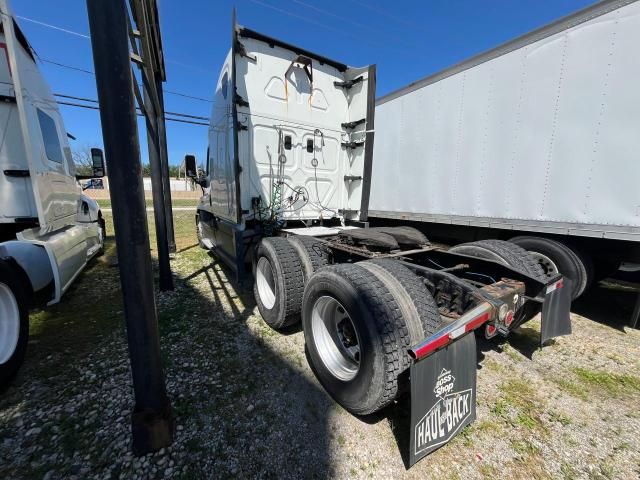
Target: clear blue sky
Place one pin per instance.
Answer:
(406, 39)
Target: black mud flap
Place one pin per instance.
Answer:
(556, 312)
(443, 396)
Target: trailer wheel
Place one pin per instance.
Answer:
(503, 252)
(556, 257)
(356, 337)
(313, 254)
(420, 310)
(279, 282)
(14, 323)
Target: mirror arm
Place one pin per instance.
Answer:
(85, 177)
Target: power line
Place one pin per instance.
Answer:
(93, 107)
(78, 34)
(48, 25)
(171, 92)
(92, 100)
(352, 22)
(65, 66)
(326, 12)
(360, 38)
(386, 14)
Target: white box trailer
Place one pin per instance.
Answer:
(48, 229)
(537, 138)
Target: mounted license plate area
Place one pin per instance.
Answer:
(443, 396)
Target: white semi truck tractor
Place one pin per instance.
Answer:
(383, 311)
(48, 229)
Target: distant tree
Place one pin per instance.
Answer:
(173, 170)
(82, 160)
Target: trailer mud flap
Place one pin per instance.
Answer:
(556, 311)
(443, 396)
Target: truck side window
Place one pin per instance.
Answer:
(225, 84)
(50, 137)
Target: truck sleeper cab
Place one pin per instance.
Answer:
(48, 229)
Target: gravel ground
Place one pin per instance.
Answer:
(248, 405)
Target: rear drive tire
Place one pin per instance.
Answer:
(313, 254)
(411, 294)
(279, 282)
(14, 323)
(356, 337)
(513, 256)
(556, 257)
(503, 252)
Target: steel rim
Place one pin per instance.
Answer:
(9, 323)
(336, 338)
(548, 265)
(266, 283)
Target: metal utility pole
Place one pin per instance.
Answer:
(147, 54)
(157, 187)
(164, 159)
(152, 419)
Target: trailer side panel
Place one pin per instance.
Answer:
(543, 136)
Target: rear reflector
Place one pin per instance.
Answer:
(430, 347)
(468, 322)
(476, 322)
(554, 286)
(508, 318)
(490, 331)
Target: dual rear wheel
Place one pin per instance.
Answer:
(358, 319)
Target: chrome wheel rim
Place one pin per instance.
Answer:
(336, 338)
(266, 283)
(9, 323)
(548, 265)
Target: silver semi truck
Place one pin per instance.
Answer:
(48, 229)
(535, 141)
(384, 312)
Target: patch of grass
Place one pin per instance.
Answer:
(501, 408)
(524, 447)
(519, 395)
(341, 440)
(513, 353)
(176, 202)
(466, 436)
(612, 383)
(560, 418)
(604, 471)
(622, 447)
(568, 472)
(489, 472)
(572, 388)
(494, 366)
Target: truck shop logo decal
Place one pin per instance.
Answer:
(444, 419)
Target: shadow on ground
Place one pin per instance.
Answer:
(243, 407)
(609, 302)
